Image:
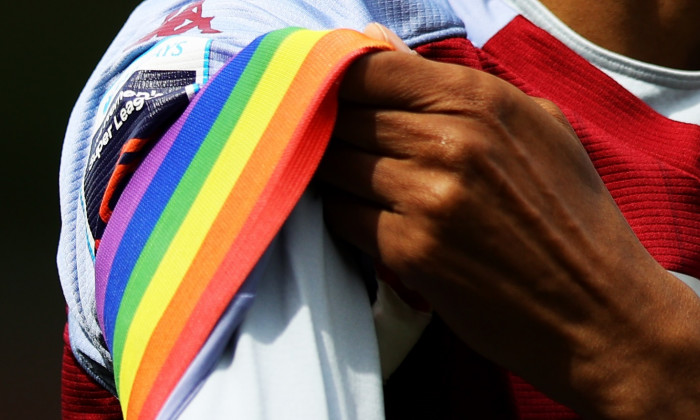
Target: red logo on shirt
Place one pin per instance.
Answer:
(182, 20)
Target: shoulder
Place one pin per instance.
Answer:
(188, 40)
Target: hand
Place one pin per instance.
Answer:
(484, 200)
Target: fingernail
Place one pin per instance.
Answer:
(390, 37)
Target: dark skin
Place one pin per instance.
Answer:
(483, 200)
(663, 32)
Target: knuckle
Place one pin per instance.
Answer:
(408, 247)
(493, 97)
(550, 107)
(467, 91)
(418, 250)
(455, 146)
(423, 251)
(553, 110)
(441, 198)
(490, 109)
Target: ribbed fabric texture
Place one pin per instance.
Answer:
(81, 397)
(651, 165)
(531, 404)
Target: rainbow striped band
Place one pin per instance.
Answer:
(208, 199)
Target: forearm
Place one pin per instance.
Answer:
(631, 353)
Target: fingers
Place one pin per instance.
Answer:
(384, 132)
(434, 139)
(378, 80)
(379, 233)
(399, 81)
(391, 79)
(375, 179)
(354, 220)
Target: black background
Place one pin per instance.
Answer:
(50, 49)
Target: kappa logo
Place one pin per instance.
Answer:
(182, 20)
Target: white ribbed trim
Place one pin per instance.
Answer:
(691, 281)
(671, 92)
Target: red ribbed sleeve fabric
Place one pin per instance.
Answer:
(650, 164)
(81, 397)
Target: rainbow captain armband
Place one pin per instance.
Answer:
(206, 202)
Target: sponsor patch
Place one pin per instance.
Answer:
(133, 114)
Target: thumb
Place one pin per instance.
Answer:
(382, 33)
